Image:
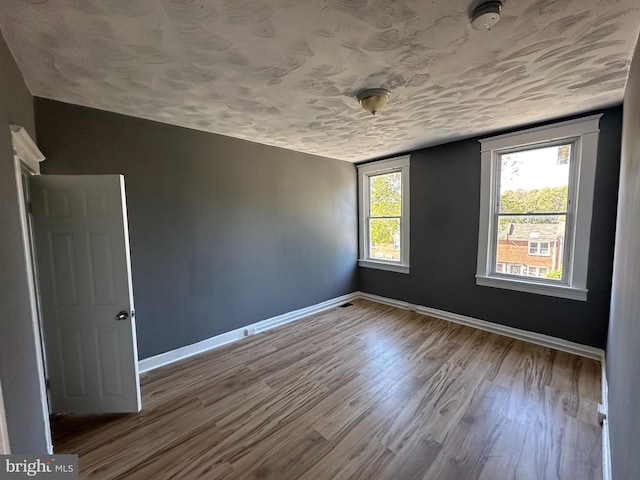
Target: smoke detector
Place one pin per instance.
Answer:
(486, 15)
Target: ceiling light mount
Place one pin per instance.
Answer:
(486, 15)
(374, 99)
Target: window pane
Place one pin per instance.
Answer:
(385, 195)
(544, 248)
(531, 245)
(384, 233)
(536, 180)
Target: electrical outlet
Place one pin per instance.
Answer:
(249, 331)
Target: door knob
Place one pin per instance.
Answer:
(123, 315)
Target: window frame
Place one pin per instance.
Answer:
(584, 133)
(398, 164)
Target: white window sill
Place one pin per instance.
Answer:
(561, 291)
(391, 267)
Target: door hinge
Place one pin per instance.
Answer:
(602, 414)
(47, 383)
(30, 207)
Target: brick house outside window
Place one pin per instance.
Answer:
(530, 249)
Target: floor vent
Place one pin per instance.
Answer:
(345, 305)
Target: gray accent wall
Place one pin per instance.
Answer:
(445, 195)
(224, 232)
(623, 348)
(21, 380)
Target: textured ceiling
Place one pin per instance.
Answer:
(285, 72)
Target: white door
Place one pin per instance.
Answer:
(84, 279)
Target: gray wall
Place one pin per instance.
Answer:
(224, 232)
(445, 192)
(623, 349)
(21, 381)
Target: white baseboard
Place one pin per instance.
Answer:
(527, 336)
(304, 312)
(181, 353)
(187, 351)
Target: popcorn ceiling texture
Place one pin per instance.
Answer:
(285, 72)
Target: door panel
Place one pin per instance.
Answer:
(72, 355)
(108, 355)
(62, 252)
(56, 203)
(84, 277)
(101, 268)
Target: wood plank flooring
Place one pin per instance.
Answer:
(361, 392)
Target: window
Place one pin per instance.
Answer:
(384, 214)
(515, 269)
(539, 248)
(536, 200)
(537, 271)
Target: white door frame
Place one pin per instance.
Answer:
(26, 154)
(5, 448)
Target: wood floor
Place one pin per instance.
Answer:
(361, 392)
